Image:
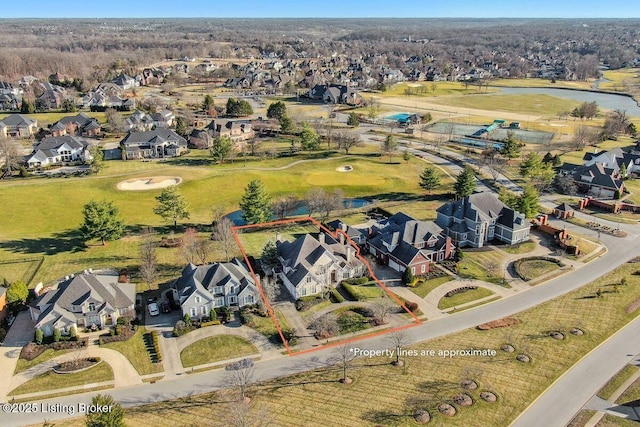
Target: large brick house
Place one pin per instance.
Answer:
(402, 242)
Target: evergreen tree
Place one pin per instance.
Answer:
(353, 120)
(511, 148)
(407, 276)
(238, 108)
(277, 110)
(465, 183)
(181, 127)
(309, 138)
(286, 125)
(531, 165)
(528, 201)
(255, 203)
(429, 179)
(112, 418)
(172, 205)
(27, 107)
(222, 148)
(208, 104)
(548, 158)
(96, 163)
(269, 256)
(101, 221)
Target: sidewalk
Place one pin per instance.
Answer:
(610, 407)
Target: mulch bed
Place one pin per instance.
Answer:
(76, 365)
(500, 323)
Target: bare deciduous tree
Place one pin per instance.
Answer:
(202, 250)
(322, 203)
(381, 308)
(148, 257)
(9, 154)
(187, 249)
(241, 375)
(399, 340)
(345, 356)
(244, 414)
(271, 288)
(284, 205)
(346, 140)
(326, 326)
(223, 236)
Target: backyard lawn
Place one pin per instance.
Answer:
(216, 348)
(135, 350)
(52, 381)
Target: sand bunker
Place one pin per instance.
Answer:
(345, 168)
(149, 183)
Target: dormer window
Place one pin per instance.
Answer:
(92, 306)
(198, 299)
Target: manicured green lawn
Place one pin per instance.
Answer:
(521, 104)
(19, 269)
(470, 306)
(48, 354)
(135, 351)
(424, 287)
(364, 292)
(463, 298)
(530, 269)
(521, 248)
(52, 381)
(42, 232)
(351, 321)
(253, 242)
(482, 265)
(265, 326)
(316, 398)
(214, 349)
(617, 380)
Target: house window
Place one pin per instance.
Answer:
(198, 299)
(192, 311)
(423, 268)
(309, 279)
(249, 299)
(303, 291)
(203, 310)
(92, 306)
(219, 302)
(413, 270)
(218, 290)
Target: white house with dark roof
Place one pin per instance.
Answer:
(479, 218)
(204, 287)
(402, 242)
(57, 150)
(311, 264)
(18, 126)
(153, 144)
(83, 300)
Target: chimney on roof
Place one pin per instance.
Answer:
(321, 237)
(278, 237)
(350, 253)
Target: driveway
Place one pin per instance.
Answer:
(20, 334)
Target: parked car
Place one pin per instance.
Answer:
(153, 309)
(165, 307)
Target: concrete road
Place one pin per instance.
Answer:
(620, 250)
(560, 402)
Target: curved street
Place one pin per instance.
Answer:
(620, 250)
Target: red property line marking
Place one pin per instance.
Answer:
(335, 235)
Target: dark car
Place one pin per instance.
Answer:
(165, 307)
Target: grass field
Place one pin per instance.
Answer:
(43, 233)
(48, 354)
(265, 326)
(581, 418)
(135, 351)
(20, 269)
(482, 265)
(463, 298)
(615, 382)
(424, 287)
(613, 421)
(545, 105)
(317, 399)
(254, 241)
(542, 83)
(470, 306)
(519, 248)
(52, 381)
(214, 349)
(530, 269)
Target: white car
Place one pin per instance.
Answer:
(153, 309)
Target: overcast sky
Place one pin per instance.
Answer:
(320, 9)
